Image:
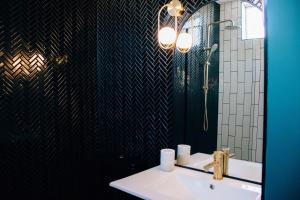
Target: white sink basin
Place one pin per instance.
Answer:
(237, 168)
(216, 190)
(184, 184)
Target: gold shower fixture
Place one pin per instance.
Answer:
(168, 37)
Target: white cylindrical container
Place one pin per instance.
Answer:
(183, 154)
(167, 159)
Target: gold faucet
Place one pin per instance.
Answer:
(220, 163)
(226, 156)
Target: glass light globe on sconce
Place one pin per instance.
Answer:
(167, 37)
(184, 42)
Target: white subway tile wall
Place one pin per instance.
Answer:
(241, 94)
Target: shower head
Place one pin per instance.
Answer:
(231, 27)
(213, 48)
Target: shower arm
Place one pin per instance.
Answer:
(212, 24)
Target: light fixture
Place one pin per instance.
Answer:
(167, 36)
(184, 42)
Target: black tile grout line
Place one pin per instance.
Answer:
(257, 117)
(251, 105)
(226, 176)
(223, 63)
(252, 110)
(242, 136)
(230, 88)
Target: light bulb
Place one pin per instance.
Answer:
(167, 37)
(184, 42)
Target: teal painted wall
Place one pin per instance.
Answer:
(283, 130)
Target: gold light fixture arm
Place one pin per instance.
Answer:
(159, 13)
(158, 22)
(175, 9)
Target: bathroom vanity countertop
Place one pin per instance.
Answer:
(183, 184)
(139, 184)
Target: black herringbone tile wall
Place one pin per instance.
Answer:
(188, 83)
(135, 78)
(47, 109)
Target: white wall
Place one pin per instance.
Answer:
(241, 89)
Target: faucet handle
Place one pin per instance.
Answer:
(208, 166)
(227, 153)
(232, 155)
(226, 150)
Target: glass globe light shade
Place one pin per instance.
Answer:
(167, 37)
(184, 42)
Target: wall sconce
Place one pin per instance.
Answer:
(184, 42)
(167, 36)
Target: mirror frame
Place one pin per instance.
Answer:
(263, 185)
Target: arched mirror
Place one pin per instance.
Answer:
(219, 87)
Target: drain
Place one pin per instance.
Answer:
(211, 186)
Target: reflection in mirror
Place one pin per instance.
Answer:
(235, 96)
